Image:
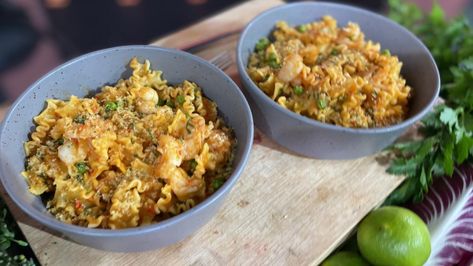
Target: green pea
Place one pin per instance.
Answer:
(301, 28)
(111, 106)
(262, 44)
(298, 90)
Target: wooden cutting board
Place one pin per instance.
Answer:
(284, 210)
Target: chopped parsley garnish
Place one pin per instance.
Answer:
(180, 99)
(151, 135)
(192, 166)
(217, 183)
(82, 168)
(80, 119)
(111, 106)
(335, 52)
(161, 102)
(262, 44)
(189, 126)
(170, 103)
(298, 90)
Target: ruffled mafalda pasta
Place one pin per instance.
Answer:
(331, 74)
(136, 153)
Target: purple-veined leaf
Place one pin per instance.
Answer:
(448, 211)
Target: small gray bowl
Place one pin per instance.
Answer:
(88, 73)
(311, 138)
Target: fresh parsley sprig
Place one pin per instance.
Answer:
(447, 132)
(9, 241)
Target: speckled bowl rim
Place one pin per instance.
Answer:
(254, 88)
(59, 226)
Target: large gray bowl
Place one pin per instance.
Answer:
(309, 137)
(89, 72)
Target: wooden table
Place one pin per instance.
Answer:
(285, 209)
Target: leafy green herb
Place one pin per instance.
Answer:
(192, 166)
(301, 28)
(80, 119)
(180, 99)
(111, 106)
(262, 44)
(170, 103)
(273, 60)
(8, 239)
(335, 52)
(298, 90)
(404, 12)
(189, 126)
(217, 183)
(151, 136)
(161, 102)
(448, 131)
(82, 168)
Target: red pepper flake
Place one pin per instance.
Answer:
(78, 204)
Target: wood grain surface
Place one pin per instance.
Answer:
(284, 210)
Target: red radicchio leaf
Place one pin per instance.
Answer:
(448, 211)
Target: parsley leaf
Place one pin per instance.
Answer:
(82, 168)
(217, 183)
(447, 131)
(80, 119)
(161, 102)
(180, 99)
(10, 245)
(192, 166)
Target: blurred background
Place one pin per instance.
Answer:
(38, 35)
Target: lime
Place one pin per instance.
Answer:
(394, 236)
(344, 258)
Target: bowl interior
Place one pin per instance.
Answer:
(88, 73)
(418, 68)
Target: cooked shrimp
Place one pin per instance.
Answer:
(168, 168)
(220, 145)
(147, 100)
(194, 141)
(69, 153)
(291, 67)
(186, 187)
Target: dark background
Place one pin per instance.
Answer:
(38, 35)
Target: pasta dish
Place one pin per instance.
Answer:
(137, 152)
(330, 74)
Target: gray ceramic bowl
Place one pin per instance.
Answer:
(89, 72)
(315, 139)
